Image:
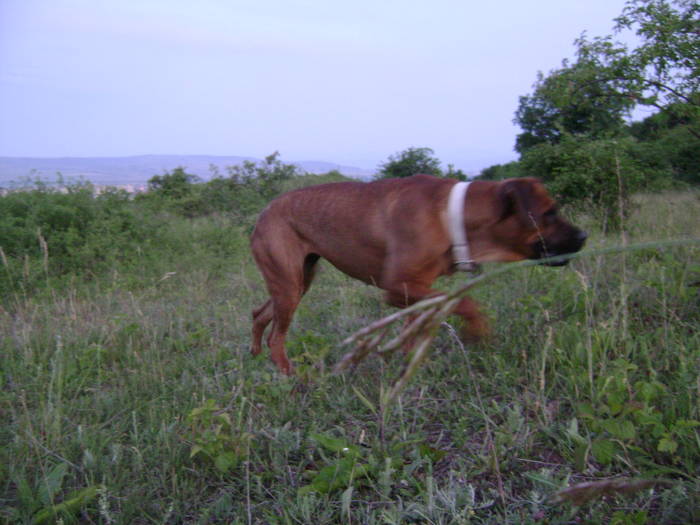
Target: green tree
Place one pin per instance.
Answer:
(172, 185)
(176, 191)
(410, 162)
(453, 173)
(266, 178)
(666, 142)
(607, 80)
(572, 100)
(243, 192)
(501, 171)
(663, 71)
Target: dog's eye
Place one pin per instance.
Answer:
(551, 212)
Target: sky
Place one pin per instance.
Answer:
(349, 82)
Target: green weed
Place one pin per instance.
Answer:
(136, 377)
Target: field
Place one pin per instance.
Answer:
(129, 395)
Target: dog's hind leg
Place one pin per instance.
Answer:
(285, 300)
(284, 308)
(261, 318)
(288, 269)
(263, 315)
(309, 270)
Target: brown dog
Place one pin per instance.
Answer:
(394, 234)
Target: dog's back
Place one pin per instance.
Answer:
(349, 223)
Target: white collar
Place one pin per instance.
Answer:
(456, 205)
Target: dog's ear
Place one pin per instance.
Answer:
(517, 197)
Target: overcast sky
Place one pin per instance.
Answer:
(349, 82)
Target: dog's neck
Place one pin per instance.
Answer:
(456, 205)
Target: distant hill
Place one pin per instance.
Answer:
(120, 171)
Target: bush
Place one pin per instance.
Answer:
(598, 175)
(245, 191)
(49, 232)
(501, 171)
(669, 143)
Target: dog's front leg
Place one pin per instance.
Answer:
(407, 293)
(476, 323)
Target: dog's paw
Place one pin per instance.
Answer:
(284, 366)
(476, 328)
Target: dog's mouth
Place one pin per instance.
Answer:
(545, 250)
(563, 262)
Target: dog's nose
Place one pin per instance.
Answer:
(582, 236)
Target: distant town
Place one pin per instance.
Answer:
(132, 173)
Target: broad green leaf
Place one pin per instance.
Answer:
(581, 456)
(335, 476)
(667, 445)
(603, 450)
(573, 432)
(51, 484)
(433, 453)
(336, 444)
(616, 402)
(72, 504)
(346, 501)
(620, 429)
(225, 417)
(225, 461)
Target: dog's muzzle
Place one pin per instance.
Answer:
(571, 244)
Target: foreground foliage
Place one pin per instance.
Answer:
(128, 394)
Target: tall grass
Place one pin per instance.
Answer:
(131, 397)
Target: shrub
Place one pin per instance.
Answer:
(49, 231)
(501, 171)
(245, 191)
(598, 175)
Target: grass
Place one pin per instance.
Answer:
(131, 397)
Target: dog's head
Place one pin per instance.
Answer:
(531, 224)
